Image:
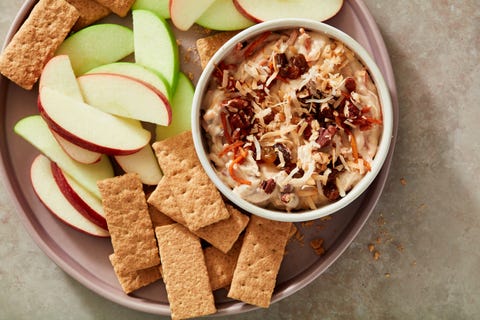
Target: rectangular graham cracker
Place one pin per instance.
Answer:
(158, 218)
(222, 235)
(90, 11)
(163, 200)
(133, 280)
(259, 261)
(199, 200)
(119, 7)
(221, 265)
(184, 272)
(207, 46)
(36, 41)
(128, 220)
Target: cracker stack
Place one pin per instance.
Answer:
(184, 209)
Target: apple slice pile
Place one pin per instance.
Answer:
(91, 110)
(228, 15)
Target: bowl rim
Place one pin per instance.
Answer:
(384, 98)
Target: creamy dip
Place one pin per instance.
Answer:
(292, 120)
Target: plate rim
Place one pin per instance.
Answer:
(342, 242)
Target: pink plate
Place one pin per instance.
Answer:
(85, 258)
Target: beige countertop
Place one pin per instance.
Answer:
(426, 225)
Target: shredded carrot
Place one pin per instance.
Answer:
(230, 147)
(367, 165)
(353, 142)
(238, 160)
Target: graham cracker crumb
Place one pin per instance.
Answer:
(376, 255)
(371, 247)
(403, 181)
(317, 246)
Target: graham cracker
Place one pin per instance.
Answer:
(36, 41)
(119, 7)
(207, 46)
(129, 223)
(199, 200)
(164, 201)
(221, 265)
(184, 272)
(222, 235)
(133, 280)
(90, 11)
(260, 257)
(158, 218)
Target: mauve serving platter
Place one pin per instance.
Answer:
(85, 258)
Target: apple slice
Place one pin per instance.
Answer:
(181, 110)
(223, 15)
(90, 127)
(58, 74)
(184, 13)
(159, 7)
(97, 45)
(35, 130)
(144, 163)
(52, 197)
(126, 97)
(259, 11)
(138, 72)
(77, 153)
(82, 200)
(155, 45)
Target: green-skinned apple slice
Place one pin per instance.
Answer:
(136, 71)
(259, 11)
(223, 15)
(126, 97)
(90, 127)
(159, 7)
(51, 196)
(97, 45)
(80, 198)
(155, 45)
(144, 163)
(184, 13)
(181, 110)
(35, 131)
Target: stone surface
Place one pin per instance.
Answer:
(426, 226)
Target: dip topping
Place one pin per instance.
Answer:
(292, 120)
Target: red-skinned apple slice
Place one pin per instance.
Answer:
(34, 130)
(82, 200)
(77, 153)
(144, 163)
(58, 75)
(184, 13)
(259, 11)
(126, 97)
(52, 197)
(89, 127)
(138, 72)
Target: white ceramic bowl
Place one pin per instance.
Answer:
(383, 93)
